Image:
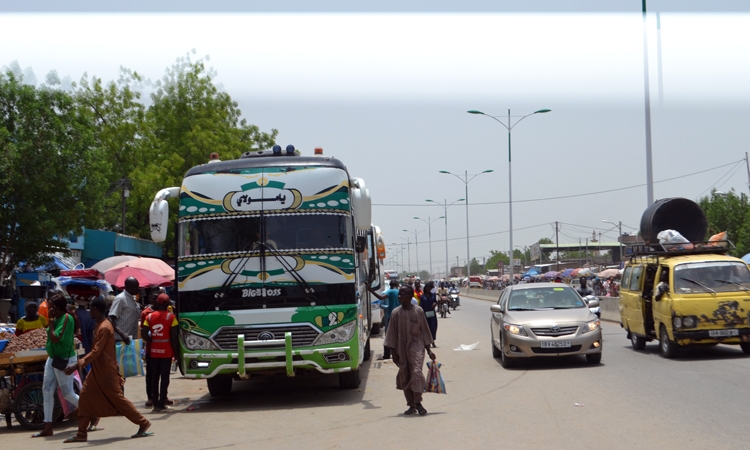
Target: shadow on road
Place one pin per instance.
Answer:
(311, 389)
(696, 353)
(553, 363)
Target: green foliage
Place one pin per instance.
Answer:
(68, 150)
(52, 170)
(729, 212)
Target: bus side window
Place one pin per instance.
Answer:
(635, 278)
(626, 278)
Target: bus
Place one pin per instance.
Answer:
(275, 252)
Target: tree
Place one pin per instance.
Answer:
(123, 134)
(495, 257)
(728, 212)
(52, 170)
(190, 118)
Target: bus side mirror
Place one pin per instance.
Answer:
(661, 289)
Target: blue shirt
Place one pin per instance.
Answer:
(390, 303)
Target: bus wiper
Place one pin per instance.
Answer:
(288, 267)
(736, 284)
(699, 284)
(231, 277)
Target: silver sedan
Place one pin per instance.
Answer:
(544, 319)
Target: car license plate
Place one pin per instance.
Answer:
(555, 344)
(724, 333)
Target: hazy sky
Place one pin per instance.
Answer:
(387, 90)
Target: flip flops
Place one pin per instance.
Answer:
(73, 439)
(141, 434)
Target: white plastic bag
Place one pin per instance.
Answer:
(466, 347)
(673, 240)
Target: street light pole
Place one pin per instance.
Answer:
(466, 181)
(445, 206)
(509, 127)
(416, 247)
(429, 232)
(619, 229)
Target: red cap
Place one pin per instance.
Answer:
(162, 298)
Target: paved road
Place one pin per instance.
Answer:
(631, 400)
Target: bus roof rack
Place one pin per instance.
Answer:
(692, 248)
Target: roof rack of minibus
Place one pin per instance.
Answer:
(692, 248)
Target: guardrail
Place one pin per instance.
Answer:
(610, 306)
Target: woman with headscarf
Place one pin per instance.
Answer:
(428, 302)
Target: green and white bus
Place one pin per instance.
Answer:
(275, 252)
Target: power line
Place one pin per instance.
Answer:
(576, 195)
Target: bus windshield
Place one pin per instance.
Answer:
(282, 232)
(718, 276)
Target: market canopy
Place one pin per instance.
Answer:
(154, 265)
(146, 278)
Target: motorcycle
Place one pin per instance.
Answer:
(443, 303)
(454, 298)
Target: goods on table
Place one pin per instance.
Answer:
(7, 332)
(30, 340)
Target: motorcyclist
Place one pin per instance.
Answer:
(584, 290)
(442, 295)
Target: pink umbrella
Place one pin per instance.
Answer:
(146, 278)
(154, 265)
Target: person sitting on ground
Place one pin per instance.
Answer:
(31, 321)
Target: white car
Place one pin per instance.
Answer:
(377, 318)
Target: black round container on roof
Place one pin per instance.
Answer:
(679, 214)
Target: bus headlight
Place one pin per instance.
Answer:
(338, 334)
(195, 342)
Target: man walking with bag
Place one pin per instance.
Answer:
(124, 315)
(408, 337)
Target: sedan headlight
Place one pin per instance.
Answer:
(515, 329)
(338, 334)
(195, 342)
(591, 326)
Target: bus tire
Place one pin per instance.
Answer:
(366, 356)
(219, 385)
(350, 380)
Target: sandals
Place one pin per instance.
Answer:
(74, 439)
(421, 409)
(141, 434)
(410, 411)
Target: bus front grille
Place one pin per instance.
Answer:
(302, 335)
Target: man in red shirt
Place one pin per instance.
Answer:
(146, 311)
(159, 329)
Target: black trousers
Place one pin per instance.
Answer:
(149, 392)
(160, 369)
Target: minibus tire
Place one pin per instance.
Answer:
(667, 348)
(745, 346)
(638, 342)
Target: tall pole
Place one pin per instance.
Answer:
(416, 249)
(647, 95)
(468, 261)
(619, 226)
(510, 205)
(447, 271)
(509, 127)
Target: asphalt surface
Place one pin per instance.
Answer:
(631, 400)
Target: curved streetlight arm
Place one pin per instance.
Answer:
(509, 126)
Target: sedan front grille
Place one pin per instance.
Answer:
(572, 349)
(554, 331)
(302, 335)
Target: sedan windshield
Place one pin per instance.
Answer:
(544, 298)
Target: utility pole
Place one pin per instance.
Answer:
(557, 246)
(747, 163)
